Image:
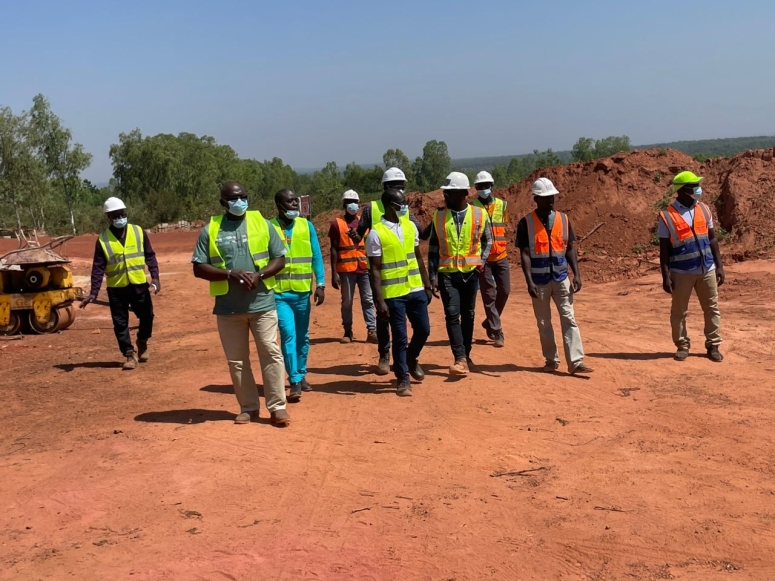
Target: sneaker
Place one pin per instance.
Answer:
(142, 351)
(372, 337)
(416, 371)
(348, 338)
(498, 340)
(305, 386)
(681, 355)
(280, 418)
(581, 368)
(383, 367)
(460, 367)
(246, 417)
(131, 360)
(404, 388)
(295, 394)
(715, 355)
(550, 367)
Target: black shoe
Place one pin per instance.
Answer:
(715, 355)
(383, 367)
(305, 386)
(295, 395)
(404, 388)
(416, 371)
(682, 354)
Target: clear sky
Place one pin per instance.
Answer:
(312, 81)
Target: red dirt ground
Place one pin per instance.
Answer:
(650, 469)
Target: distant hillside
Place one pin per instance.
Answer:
(726, 147)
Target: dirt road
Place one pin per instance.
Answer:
(650, 469)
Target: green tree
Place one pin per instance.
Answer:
(434, 165)
(611, 145)
(584, 149)
(327, 187)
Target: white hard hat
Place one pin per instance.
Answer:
(544, 187)
(483, 177)
(351, 195)
(456, 181)
(113, 204)
(393, 174)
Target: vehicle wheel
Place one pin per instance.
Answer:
(66, 317)
(13, 325)
(49, 327)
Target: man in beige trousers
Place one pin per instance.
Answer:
(690, 260)
(547, 246)
(239, 252)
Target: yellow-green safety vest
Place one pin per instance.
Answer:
(126, 263)
(460, 252)
(378, 210)
(258, 246)
(297, 274)
(400, 270)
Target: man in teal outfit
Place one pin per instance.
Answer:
(293, 287)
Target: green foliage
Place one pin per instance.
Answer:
(717, 147)
(432, 168)
(665, 200)
(662, 152)
(584, 149)
(639, 248)
(657, 177)
(721, 233)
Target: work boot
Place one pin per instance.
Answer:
(295, 395)
(348, 336)
(581, 368)
(305, 386)
(550, 367)
(280, 418)
(246, 417)
(404, 388)
(715, 355)
(460, 367)
(498, 340)
(682, 354)
(416, 371)
(131, 361)
(372, 337)
(383, 367)
(142, 351)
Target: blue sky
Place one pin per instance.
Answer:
(314, 81)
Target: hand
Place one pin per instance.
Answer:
(244, 278)
(335, 280)
(382, 310)
(576, 284)
(480, 268)
(156, 283)
(667, 285)
(87, 300)
(532, 290)
(435, 287)
(429, 293)
(720, 276)
(320, 296)
(353, 235)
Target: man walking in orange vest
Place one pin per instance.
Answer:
(459, 244)
(547, 245)
(690, 260)
(494, 282)
(349, 268)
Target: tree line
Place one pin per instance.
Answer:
(166, 178)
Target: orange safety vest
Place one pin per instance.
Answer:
(498, 212)
(460, 252)
(351, 256)
(547, 253)
(689, 244)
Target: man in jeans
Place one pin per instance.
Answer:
(690, 261)
(349, 268)
(459, 244)
(401, 286)
(547, 246)
(239, 252)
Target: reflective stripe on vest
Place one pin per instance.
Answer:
(297, 274)
(350, 256)
(460, 252)
(400, 270)
(547, 254)
(258, 246)
(497, 212)
(125, 263)
(689, 245)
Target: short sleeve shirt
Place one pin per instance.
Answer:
(232, 242)
(374, 244)
(688, 215)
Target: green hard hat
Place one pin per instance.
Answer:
(685, 178)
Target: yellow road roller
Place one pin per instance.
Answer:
(37, 290)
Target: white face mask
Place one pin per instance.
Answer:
(697, 193)
(484, 194)
(352, 208)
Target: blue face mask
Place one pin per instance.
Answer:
(238, 207)
(697, 193)
(402, 211)
(352, 208)
(291, 214)
(120, 222)
(484, 194)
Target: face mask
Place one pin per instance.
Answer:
(402, 211)
(120, 222)
(697, 193)
(291, 214)
(484, 194)
(238, 207)
(352, 208)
